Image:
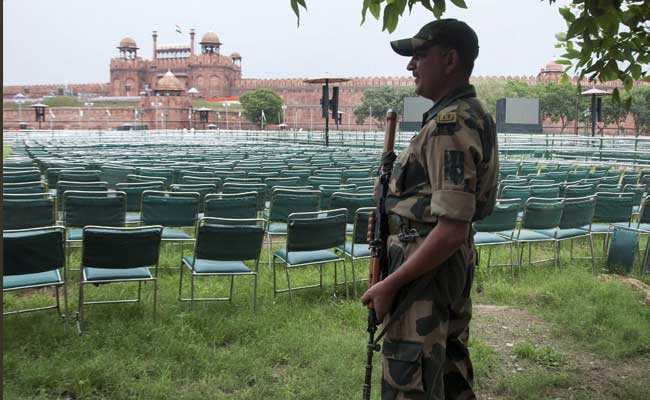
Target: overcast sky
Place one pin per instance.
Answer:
(72, 41)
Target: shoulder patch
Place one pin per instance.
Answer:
(446, 117)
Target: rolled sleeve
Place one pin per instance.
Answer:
(452, 157)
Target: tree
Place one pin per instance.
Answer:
(258, 101)
(377, 101)
(605, 39)
(640, 109)
(557, 102)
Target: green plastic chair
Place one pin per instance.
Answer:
(118, 255)
(284, 202)
(203, 189)
(113, 174)
(259, 188)
(351, 202)
(222, 247)
(311, 236)
(611, 208)
(546, 191)
(540, 214)
(232, 206)
(134, 197)
(622, 250)
(316, 181)
(498, 228)
(80, 175)
(166, 173)
(24, 211)
(575, 223)
(357, 248)
(34, 259)
(132, 178)
(173, 211)
(83, 208)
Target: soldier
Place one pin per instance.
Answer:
(445, 179)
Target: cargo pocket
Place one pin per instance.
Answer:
(402, 366)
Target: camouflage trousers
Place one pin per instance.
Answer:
(425, 353)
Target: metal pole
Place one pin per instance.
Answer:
(327, 114)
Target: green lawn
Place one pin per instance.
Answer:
(314, 349)
(6, 150)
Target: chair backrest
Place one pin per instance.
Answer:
(263, 175)
(281, 181)
(285, 201)
(132, 178)
(202, 180)
(260, 188)
(21, 176)
(201, 174)
(355, 174)
(64, 186)
(24, 211)
(225, 239)
(622, 249)
(229, 174)
(578, 212)
(328, 190)
(202, 189)
(29, 251)
(557, 176)
(243, 180)
(571, 191)
(114, 174)
(118, 248)
(613, 207)
(167, 173)
(52, 174)
(360, 227)
(638, 190)
(352, 202)
(24, 187)
(80, 175)
(546, 191)
(576, 176)
(516, 192)
(609, 188)
(309, 231)
(232, 205)
(536, 181)
(316, 181)
(134, 193)
(542, 213)
(503, 217)
(365, 189)
(630, 178)
(170, 208)
(94, 208)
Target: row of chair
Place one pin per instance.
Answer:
(558, 219)
(35, 258)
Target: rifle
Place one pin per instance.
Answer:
(377, 238)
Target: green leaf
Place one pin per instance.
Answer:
(459, 3)
(635, 71)
(567, 14)
(427, 4)
(375, 8)
(616, 96)
(364, 10)
(577, 26)
(563, 62)
(439, 7)
(391, 17)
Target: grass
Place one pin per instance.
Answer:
(314, 349)
(6, 151)
(216, 106)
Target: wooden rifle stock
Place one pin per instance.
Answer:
(377, 235)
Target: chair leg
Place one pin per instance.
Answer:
(289, 285)
(80, 311)
(512, 262)
(275, 286)
(232, 284)
(489, 256)
(192, 284)
(255, 294)
(180, 284)
(521, 255)
(139, 290)
(155, 298)
(593, 262)
(345, 277)
(268, 250)
(354, 277)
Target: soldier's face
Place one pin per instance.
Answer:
(430, 68)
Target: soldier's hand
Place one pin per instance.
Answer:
(382, 296)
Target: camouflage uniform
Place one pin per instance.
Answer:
(449, 169)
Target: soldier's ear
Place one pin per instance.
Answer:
(453, 61)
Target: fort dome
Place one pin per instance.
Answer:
(128, 43)
(169, 83)
(210, 38)
(553, 67)
(235, 56)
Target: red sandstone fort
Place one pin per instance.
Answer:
(162, 87)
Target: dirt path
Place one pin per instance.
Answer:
(592, 376)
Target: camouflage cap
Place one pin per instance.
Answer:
(448, 32)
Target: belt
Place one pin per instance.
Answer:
(400, 225)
